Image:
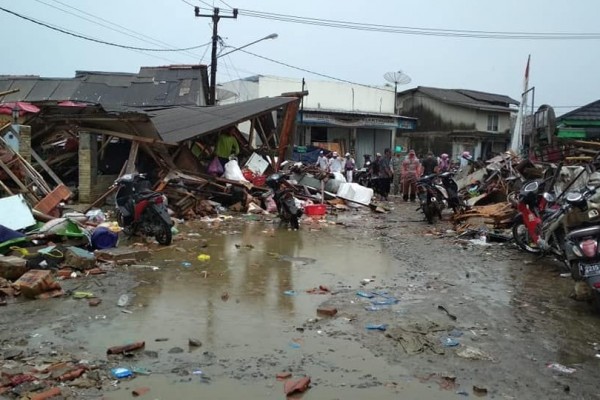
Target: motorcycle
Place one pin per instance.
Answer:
(284, 200)
(142, 210)
(436, 193)
(363, 176)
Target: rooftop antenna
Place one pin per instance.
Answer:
(397, 78)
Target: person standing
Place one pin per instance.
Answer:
(349, 167)
(322, 162)
(335, 163)
(411, 168)
(429, 164)
(385, 174)
(227, 146)
(444, 164)
(396, 165)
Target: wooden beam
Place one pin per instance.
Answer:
(133, 152)
(20, 184)
(251, 135)
(46, 168)
(287, 130)
(126, 136)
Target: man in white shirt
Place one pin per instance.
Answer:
(336, 164)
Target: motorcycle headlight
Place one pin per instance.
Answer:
(577, 250)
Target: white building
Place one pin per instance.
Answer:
(338, 116)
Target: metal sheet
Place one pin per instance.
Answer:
(15, 213)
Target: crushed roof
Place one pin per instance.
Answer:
(151, 87)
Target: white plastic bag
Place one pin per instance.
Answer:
(233, 171)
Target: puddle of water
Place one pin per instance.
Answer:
(235, 304)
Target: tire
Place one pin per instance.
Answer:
(294, 222)
(431, 214)
(163, 234)
(121, 220)
(522, 239)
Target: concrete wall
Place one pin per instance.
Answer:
(323, 95)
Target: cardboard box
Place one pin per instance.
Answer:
(36, 282)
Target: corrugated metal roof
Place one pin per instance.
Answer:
(468, 98)
(589, 112)
(154, 86)
(182, 123)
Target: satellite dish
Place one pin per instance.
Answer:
(397, 78)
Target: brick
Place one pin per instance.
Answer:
(12, 268)
(36, 282)
(330, 311)
(48, 394)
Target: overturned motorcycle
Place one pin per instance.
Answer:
(141, 210)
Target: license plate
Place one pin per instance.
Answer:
(588, 270)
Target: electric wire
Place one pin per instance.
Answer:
(91, 39)
(122, 29)
(421, 31)
(315, 73)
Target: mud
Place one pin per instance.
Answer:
(250, 309)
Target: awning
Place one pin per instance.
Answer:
(177, 124)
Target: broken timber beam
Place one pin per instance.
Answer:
(127, 136)
(287, 130)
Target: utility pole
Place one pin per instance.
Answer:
(215, 38)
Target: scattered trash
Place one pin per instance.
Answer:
(479, 391)
(140, 391)
(290, 293)
(366, 281)
(197, 372)
(365, 294)
(125, 348)
(283, 375)
(462, 393)
(94, 302)
(186, 264)
(455, 333)
(561, 368)
(123, 300)
(450, 342)
(330, 311)
(295, 345)
(194, 342)
(320, 290)
(376, 327)
(384, 302)
(452, 317)
(141, 371)
(472, 353)
(296, 385)
(565, 275)
(121, 373)
(373, 307)
(203, 257)
(83, 295)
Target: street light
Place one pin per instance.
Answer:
(213, 66)
(271, 36)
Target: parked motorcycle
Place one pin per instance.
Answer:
(364, 176)
(141, 210)
(436, 193)
(284, 199)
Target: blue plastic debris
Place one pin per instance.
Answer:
(365, 294)
(376, 327)
(376, 307)
(450, 342)
(121, 373)
(290, 293)
(384, 302)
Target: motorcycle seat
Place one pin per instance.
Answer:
(582, 232)
(147, 194)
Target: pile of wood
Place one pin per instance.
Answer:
(498, 216)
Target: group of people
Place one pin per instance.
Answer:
(388, 173)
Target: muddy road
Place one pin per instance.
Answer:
(460, 319)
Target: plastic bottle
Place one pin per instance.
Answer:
(123, 300)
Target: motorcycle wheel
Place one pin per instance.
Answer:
(522, 238)
(431, 214)
(121, 220)
(162, 233)
(294, 224)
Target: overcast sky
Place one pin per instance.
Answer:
(564, 72)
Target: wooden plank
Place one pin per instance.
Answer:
(133, 152)
(287, 128)
(6, 189)
(127, 136)
(46, 168)
(20, 184)
(251, 135)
